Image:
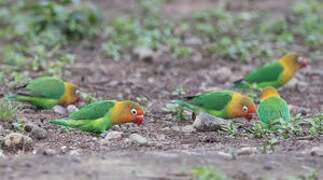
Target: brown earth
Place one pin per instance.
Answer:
(170, 152)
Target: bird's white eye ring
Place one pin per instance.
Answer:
(77, 92)
(133, 111)
(300, 59)
(245, 109)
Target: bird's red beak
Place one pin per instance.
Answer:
(139, 118)
(78, 99)
(249, 116)
(304, 64)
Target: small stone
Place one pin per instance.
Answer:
(49, 152)
(176, 128)
(247, 151)
(15, 141)
(2, 131)
(72, 108)
(223, 74)
(64, 149)
(225, 154)
(112, 135)
(144, 54)
(59, 109)
(317, 151)
(303, 111)
(38, 133)
(267, 167)
(74, 153)
(188, 129)
(206, 122)
(1, 154)
(136, 138)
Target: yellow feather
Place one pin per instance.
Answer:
(269, 92)
(290, 66)
(69, 94)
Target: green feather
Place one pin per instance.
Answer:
(36, 101)
(48, 87)
(93, 111)
(94, 118)
(268, 75)
(272, 109)
(214, 103)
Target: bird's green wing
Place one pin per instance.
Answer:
(212, 101)
(47, 87)
(93, 111)
(269, 73)
(272, 109)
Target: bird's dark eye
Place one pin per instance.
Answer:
(300, 59)
(133, 111)
(245, 109)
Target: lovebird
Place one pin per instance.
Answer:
(100, 116)
(274, 74)
(46, 92)
(223, 104)
(272, 106)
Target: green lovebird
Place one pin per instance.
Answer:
(274, 74)
(101, 116)
(46, 92)
(223, 104)
(272, 106)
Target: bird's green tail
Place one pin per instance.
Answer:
(186, 105)
(94, 126)
(12, 98)
(65, 122)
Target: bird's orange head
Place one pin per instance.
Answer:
(128, 111)
(242, 106)
(72, 94)
(294, 61)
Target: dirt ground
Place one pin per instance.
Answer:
(170, 153)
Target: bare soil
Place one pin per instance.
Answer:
(170, 153)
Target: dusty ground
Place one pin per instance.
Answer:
(171, 152)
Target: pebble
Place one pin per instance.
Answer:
(2, 131)
(1, 154)
(74, 153)
(72, 108)
(59, 109)
(317, 151)
(144, 54)
(49, 152)
(64, 149)
(206, 122)
(136, 138)
(223, 74)
(188, 129)
(36, 132)
(16, 141)
(111, 135)
(247, 151)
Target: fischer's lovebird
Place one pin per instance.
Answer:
(223, 104)
(272, 106)
(274, 74)
(46, 92)
(101, 116)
